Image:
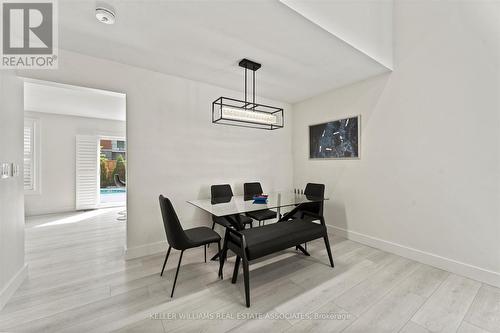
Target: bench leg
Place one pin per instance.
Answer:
(246, 276)
(236, 268)
(327, 244)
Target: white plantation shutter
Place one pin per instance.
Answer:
(87, 172)
(29, 155)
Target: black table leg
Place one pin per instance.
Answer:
(303, 250)
(235, 221)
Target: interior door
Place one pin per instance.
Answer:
(87, 172)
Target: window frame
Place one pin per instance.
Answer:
(35, 155)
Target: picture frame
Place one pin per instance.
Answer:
(337, 139)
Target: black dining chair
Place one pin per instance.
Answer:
(316, 208)
(250, 190)
(181, 239)
(316, 191)
(223, 193)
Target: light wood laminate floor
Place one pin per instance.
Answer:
(79, 282)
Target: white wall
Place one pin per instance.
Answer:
(428, 182)
(12, 268)
(173, 148)
(57, 135)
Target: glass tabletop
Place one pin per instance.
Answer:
(242, 204)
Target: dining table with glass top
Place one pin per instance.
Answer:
(240, 204)
(231, 207)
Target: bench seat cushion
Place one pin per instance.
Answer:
(279, 236)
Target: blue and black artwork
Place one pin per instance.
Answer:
(335, 139)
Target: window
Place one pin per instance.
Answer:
(30, 156)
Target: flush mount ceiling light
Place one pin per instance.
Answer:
(230, 111)
(105, 15)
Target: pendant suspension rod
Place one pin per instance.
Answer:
(253, 66)
(245, 85)
(253, 90)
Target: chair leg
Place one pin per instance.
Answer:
(176, 273)
(220, 259)
(246, 276)
(236, 268)
(205, 251)
(327, 244)
(165, 262)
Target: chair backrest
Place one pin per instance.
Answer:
(318, 191)
(315, 190)
(220, 194)
(251, 189)
(176, 236)
(221, 191)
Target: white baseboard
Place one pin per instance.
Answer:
(451, 265)
(11, 286)
(145, 250)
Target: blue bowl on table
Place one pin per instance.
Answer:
(260, 199)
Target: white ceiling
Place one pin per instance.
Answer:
(204, 40)
(366, 25)
(49, 97)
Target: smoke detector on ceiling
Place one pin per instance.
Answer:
(105, 15)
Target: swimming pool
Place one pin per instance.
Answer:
(113, 190)
(113, 195)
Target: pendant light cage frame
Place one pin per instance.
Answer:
(244, 113)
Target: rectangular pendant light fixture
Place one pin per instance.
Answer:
(230, 111)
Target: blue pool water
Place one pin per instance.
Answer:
(113, 190)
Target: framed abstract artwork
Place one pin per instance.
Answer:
(337, 139)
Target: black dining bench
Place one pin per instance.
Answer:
(251, 244)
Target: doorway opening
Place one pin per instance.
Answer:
(113, 172)
(71, 133)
